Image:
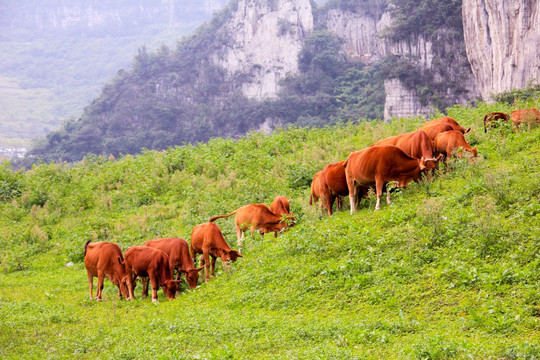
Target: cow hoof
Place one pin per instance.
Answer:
(154, 300)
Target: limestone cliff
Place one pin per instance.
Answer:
(503, 42)
(265, 38)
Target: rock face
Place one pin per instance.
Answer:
(266, 38)
(502, 38)
(358, 32)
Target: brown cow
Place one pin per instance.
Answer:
(316, 192)
(208, 240)
(145, 261)
(281, 206)
(448, 121)
(333, 184)
(104, 259)
(450, 142)
(379, 165)
(257, 217)
(530, 116)
(432, 130)
(493, 119)
(179, 258)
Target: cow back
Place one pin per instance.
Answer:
(432, 130)
(280, 206)
(448, 121)
(416, 144)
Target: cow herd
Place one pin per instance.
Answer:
(398, 159)
(156, 261)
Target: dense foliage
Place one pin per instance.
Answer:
(450, 269)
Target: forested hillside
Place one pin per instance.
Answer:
(179, 95)
(56, 55)
(449, 270)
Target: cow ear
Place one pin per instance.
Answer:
(422, 163)
(238, 254)
(200, 268)
(466, 131)
(120, 261)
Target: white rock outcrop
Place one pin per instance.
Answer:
(266, 38)
(502, 38)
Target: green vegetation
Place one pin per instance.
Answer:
(175, 96)
(450, 269)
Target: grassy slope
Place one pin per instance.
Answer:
(450, 269)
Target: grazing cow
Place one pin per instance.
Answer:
(448, 142)
(448, 121)
(432, 130)
(179, 258)
(379, 165)
(207, 239)
(145, 261)
(493, 118)
(281, 206)
(333, 184)
(103, 259)
(530, 116)
(257, 217)
(316, 192)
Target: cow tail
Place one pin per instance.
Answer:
(213, 218)
(86, 246)
(485, 120)
(310, 199)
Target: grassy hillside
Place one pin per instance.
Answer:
(451, 269)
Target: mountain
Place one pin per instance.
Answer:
(261, 64)
(56, 55)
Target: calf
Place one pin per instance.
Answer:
(449, 142)
(145, 261)
(493, 118)
(103, 259)
(530, 116)
(257, 217)
(333, 183)
(179, 259)
(379, 165)
(207, 239)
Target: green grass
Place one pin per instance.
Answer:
(450, 269)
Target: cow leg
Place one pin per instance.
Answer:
(388, 195)
(144, 281)
(352, 193)
(339, 203)
(101, 279)
(130, 286)
(213, 265)
(154, 284)
(91, 284)
(378, 189)
(239, 237)
(206, 257)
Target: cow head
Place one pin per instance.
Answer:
(170, 287)
(192, 276)
(474, 152)
(288, 219)
(123, 287)
(231, 255)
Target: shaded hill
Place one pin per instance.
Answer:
(56, 55)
